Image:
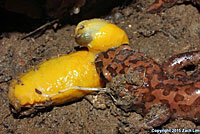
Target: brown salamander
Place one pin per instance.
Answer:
(167, 84)
(158, 5)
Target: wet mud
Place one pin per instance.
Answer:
(173, 31)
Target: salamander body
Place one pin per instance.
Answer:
(167, 84)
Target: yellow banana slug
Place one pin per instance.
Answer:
(51, 81)
(69, 77)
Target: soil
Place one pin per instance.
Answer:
(173, 31)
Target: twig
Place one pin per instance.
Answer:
(43, 27)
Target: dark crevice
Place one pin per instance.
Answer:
(16, 22)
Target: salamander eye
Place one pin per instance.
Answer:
(99, 35)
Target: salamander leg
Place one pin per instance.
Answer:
(157, 115)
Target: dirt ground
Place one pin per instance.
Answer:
(159, 36)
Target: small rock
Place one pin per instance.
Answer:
(118, 17)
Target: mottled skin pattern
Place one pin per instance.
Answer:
(166, 84)
(159, 5)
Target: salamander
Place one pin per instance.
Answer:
(166, 85)
(159, 5)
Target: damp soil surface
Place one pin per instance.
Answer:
(173, 31)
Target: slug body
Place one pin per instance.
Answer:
(167, 85)
(159, 5)
(44, 84)
(66, 78)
